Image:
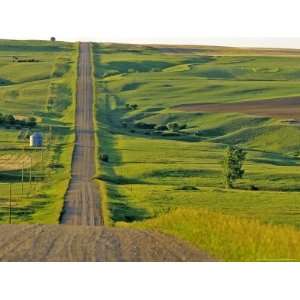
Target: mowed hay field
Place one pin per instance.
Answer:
(172, 182)
(37, 79)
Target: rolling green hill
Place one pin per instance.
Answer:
(153, 170)
(156, 175)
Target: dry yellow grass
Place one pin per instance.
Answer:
(105, 212)
(11, 162)
(228, 237)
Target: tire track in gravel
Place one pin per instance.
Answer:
(91, 243)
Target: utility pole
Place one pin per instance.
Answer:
(48, 148)
(43, 164)
(30, 171)
(10, 203)
(50, 135)
(22, 178)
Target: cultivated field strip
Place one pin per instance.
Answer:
(82, 205)
(11, 162)
(282, 108)
(86, 243)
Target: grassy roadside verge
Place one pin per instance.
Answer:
(72, 115)
(105, 213)
(227, 237)
(152, 172)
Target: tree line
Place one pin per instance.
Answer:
(11, 120)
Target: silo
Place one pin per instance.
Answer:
(36, 140)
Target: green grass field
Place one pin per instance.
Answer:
(157, 178)
(153, 171)
(37, 79)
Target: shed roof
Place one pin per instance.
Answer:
(36, 134)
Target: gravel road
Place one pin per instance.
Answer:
(82, 201)
(90, 243)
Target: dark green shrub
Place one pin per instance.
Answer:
(173, 126)
(21, 123)
(157, 132)
(9, 119)
(188, 188)
(124, 124)
(104, 157)
(254, 187)
(161, 127)
(31, 122)
(143, 125)
(131, 106)
(56, 166)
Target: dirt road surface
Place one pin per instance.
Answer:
(82, 201)
(90, 243)
(282, 108)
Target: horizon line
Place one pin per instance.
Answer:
(225, 42)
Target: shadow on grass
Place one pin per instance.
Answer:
(15, 176)
(119, 205)
(23, 214)
(184, 173)
(120, 208)
(115, 179)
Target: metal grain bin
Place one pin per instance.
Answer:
(36, 140)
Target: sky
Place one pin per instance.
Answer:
(216, 22)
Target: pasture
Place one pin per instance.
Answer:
(37, 79)
(153, 170)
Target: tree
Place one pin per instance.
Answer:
(31, 122)
(104, 157)
(173, 126)
(10, 119)
(233, 164)
(131, 106)
(53, 39)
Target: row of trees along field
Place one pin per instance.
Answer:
(11, 120)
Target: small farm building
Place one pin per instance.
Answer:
(36, 140)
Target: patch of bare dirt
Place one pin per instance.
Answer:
(11, 162)
(283, 108)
